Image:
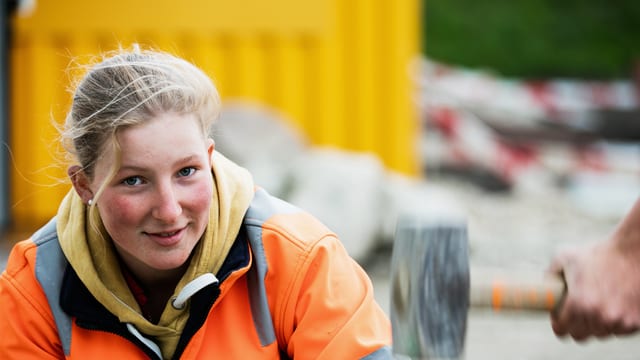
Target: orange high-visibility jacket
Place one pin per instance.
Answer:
(287, 289)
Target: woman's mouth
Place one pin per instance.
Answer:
(167, 234)
(166, 238)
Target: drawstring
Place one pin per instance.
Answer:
(150, 344)
(178, 303)
(191, 288)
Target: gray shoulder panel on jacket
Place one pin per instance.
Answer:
(50, 267)
(261, 209)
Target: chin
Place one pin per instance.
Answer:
(168, 264)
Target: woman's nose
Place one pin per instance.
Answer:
(167, 207)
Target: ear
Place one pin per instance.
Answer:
(80, 182)
(211, 145)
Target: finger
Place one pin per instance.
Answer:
(580, 329)
(620, 328)
(580, 335)
(560, 329)
(569, 319)
(600, 329)
(625, 330)
(561, 320)
(563, 315)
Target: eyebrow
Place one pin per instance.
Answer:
(184, 160)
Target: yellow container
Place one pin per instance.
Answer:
(338, 69)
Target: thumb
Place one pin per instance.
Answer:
(558, 268)
(557, 264)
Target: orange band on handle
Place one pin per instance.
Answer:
(497, 292)
(516, 292)
(511, 296)
(550, 300)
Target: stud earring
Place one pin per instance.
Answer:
(90, 202)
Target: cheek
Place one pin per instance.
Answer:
(201, 197)
(121, 210)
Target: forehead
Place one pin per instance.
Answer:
(157, 140)
(167, 127)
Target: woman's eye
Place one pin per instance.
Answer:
(186, 171)
(132, 181)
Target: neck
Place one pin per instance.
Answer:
(152, 292)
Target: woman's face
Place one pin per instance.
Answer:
(156, 207)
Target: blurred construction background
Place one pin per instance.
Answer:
(524, 116)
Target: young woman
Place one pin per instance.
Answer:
(165, 249)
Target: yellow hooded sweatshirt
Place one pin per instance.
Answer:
(89, 250)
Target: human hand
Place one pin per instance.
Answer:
(603, 290)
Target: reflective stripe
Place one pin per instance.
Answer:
(50, 267)
(262, 208)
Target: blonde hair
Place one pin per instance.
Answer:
(127, 88)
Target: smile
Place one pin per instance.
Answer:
(167, 233)
(166, 238)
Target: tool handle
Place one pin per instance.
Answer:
(517, 292)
